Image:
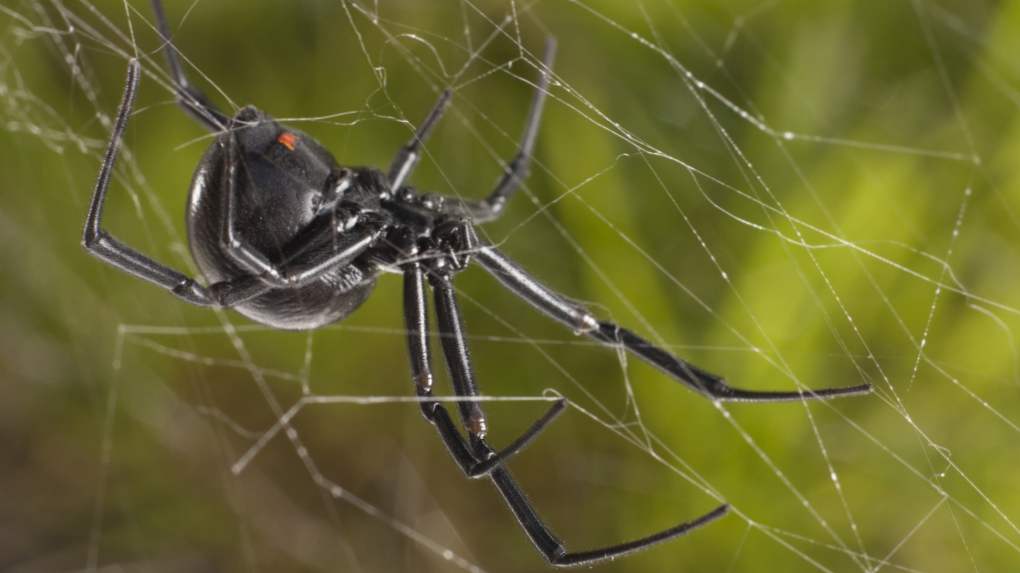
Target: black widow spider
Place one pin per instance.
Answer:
(289, 238)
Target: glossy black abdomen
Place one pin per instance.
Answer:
(318, 303)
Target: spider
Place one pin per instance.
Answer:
(289, 238)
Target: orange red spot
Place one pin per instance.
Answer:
(288, 140)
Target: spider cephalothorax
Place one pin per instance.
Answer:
(288, 237)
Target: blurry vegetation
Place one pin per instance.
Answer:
(811, 259)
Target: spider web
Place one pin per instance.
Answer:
(792, 196)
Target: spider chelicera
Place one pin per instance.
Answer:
(287, 237)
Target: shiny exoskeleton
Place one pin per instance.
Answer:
(272, 201)
(288, 237)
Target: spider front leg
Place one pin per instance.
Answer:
(416, 322)
(552, 548)
(451, 331)
(581, 321)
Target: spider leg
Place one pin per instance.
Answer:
(407, 158)
(516, 169)
(194, 102)
(416, 321)
(581, 321)
(455, 350)
(103, 245)
(458, 359)
(553, 549)
(295, 270)
(100, 243)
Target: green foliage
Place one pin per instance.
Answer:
(885, 221)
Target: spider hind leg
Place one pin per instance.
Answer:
(191, 99)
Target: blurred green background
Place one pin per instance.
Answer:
(840, 192)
